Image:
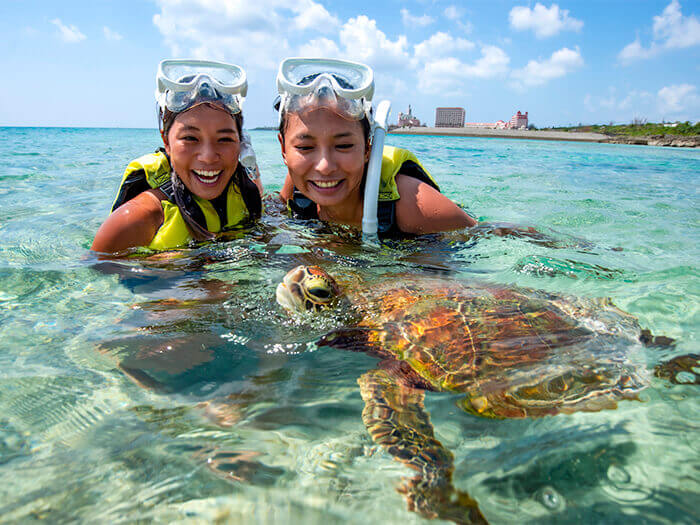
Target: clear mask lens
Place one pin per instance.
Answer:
(348, 109)
(225, 77)
(181, 84)
(202, 91)
(341, 86)
(324, 96)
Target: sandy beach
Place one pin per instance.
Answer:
(683, 141)
(505, 133)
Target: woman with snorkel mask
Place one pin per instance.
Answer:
(325, 131)
(195, 186)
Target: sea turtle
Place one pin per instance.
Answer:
(513, 352)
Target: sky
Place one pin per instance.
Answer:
(93, 63)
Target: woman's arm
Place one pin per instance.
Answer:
(134, 223)
(423, 209)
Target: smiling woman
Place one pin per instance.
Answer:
(325, 133)
(195, 186)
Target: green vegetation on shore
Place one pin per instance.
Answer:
(635, 128)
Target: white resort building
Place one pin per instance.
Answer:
(449, 117)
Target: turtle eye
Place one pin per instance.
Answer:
(321, 293)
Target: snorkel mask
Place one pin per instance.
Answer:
(181, 84)
(342, 86)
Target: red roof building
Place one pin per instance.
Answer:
(519, 120)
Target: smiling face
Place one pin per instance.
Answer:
(326, 156)
(203, 145)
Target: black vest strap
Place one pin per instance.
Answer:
(302, 207)
(134, 184)
(386, 217)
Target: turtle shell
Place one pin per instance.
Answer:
(514, 352)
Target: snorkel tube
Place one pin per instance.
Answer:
(374, 171)
(247, 155)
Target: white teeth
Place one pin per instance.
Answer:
(326, 184)
(206, 174)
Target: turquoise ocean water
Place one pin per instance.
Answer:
(174, 389)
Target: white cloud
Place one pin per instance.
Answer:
(544, 22)
(636, 51)
(311, 15)
(111, 35)
(675, 30)
(445, 76)
(320, 47)
(410, 20)
(671, 31)
(70, 34)
(448, 75)
(258, 35)
(441, 44)
(493, 62)
(559, 64)
(618, 107)
(253, 34)
(455, 14)
(363, 41)
(678, 101)
(678, 98)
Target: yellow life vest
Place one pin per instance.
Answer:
(394, 161)
(153, 171)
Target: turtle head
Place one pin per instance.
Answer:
(307, 288)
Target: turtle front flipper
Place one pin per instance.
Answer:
(681, 370)
(396, 419)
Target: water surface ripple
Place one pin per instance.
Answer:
(176, 389)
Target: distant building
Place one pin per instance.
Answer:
(499, 124)
(408, 120)
(449, 117)
(519, 120)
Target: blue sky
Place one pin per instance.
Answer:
(93, 63)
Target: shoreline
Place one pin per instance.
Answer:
(691, 141)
